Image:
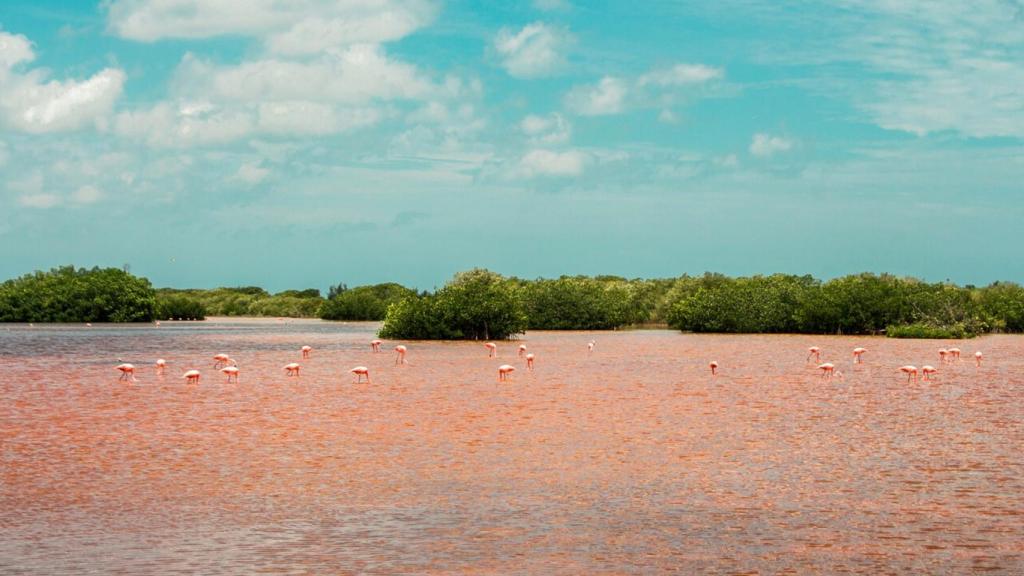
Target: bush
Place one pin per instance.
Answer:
(68, 294)
(474, 305)
(364, 302)
(177, 307)
(920, 330)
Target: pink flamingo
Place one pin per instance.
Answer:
(375, 345)
(814, 351)
(954, 354)
(857, 353)
(292, 369)
(590, 346)
(942, 355)
(827, 370)
(928, 371)
(977, 358)
(220, 360)
(191, 377)
(231, 371)
(529, 361)
(522, 350)
(400, 358)
(306, 350)
(361, 371)
(160, 365)
(127, 372)
(492, 349)
(505, 372)
(910, 371)
(714, 367)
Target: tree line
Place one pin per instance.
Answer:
(480, 304)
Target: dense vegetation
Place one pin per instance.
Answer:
(67, 294)
(245, 301)
(477, 304)
(482, 304)
(363, 302)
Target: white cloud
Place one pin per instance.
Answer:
(301, 117)
(605, 98)
(185, 124)
(30, 103)
(765, 145)
(681, 75)
(14, 49)
(293, 27)
(251, 173)
(4, 154)
(549, 163)
(550, 129)
(39, 200)
(86, 195)
(535, 51)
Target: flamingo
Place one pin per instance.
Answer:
(220, 360)
(231, 371)
(127, 372)
(292, 369)
(827, 370)
(814, 351)
(529, 361)
(928, 371)
(361, 371)
(857, 353)
(522, 350)
(590, 346)
(942, 355)
(375, 345)
(910, 371)
(400, 358)
(505, 372)
(191, 377)
(977, 358)
(492, 349)
(714, 367)
(160, 365)
(306, 350)
(954, 354)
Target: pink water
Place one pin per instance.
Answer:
(630, 459)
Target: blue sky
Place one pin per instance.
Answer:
(301, 144)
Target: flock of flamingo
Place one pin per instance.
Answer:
(229, 367)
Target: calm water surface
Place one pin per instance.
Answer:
(631, 459)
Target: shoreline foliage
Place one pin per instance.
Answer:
(69, 294)
(363, 302)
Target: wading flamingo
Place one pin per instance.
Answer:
(231, 371)
(714, 367)
(814, 351)
(522, 350)
(306, 350)
(942, 355)
(977, 359)
(191, 377)
(492, 349)
(400, 357)
(590, 346)
(375, 345)
(928, 371)
(160, 365)
(127, 372)
(954, 354)
(292, 369)
(910, 371)
(827, 370)
(505, 372)
(529, 361)
(857, 353)
(220, 360)
(361, 371)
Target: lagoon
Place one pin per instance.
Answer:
(629, 459)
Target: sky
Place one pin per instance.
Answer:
(306, 143)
